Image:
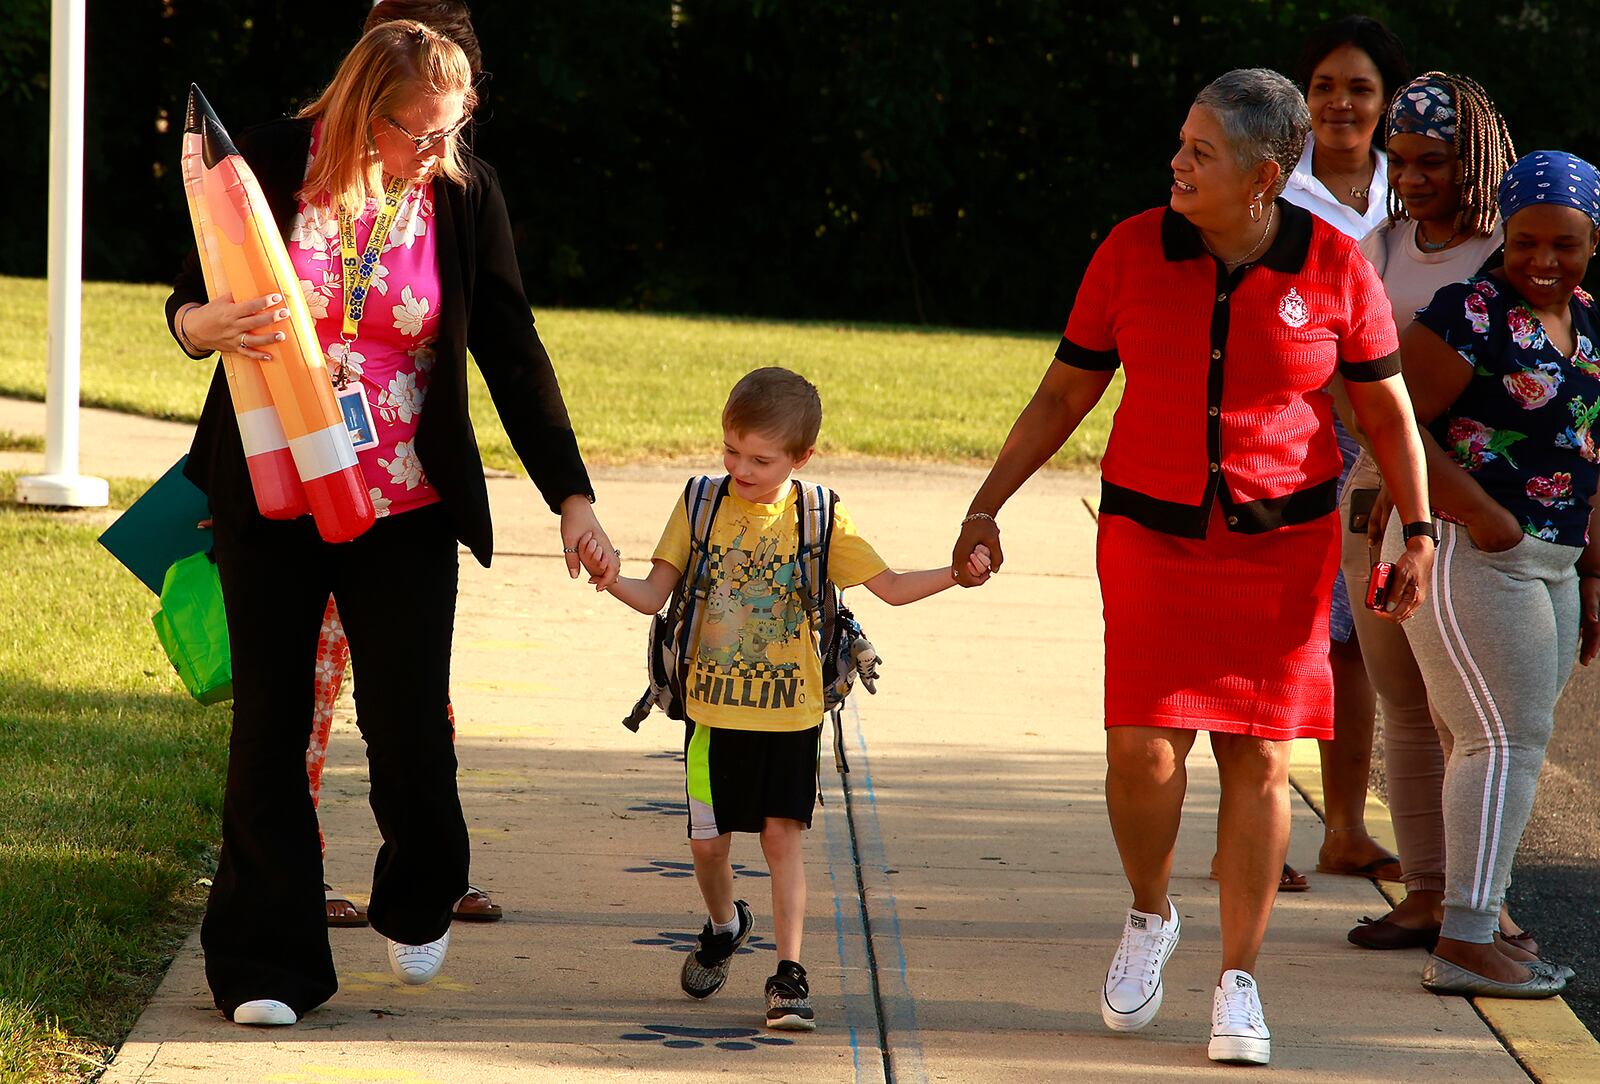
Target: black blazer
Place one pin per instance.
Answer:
(483, 307)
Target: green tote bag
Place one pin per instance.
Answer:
(192, 625)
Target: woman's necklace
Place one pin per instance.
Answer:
(1272, 214)
(1429, 246)
(1335, 181)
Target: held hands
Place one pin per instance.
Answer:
(979, 568)
(232, 326)
(584, 543)
(981, 533)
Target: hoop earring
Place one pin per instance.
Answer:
(1255, 208)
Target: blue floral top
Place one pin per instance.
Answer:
(1523, 425)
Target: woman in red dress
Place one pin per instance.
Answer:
(1228, 311)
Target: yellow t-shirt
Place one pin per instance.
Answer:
(756, 666)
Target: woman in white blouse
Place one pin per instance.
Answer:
(1349, 68)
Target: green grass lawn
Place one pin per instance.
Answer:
(110, 795)
(638, 386)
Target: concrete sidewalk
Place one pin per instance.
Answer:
(965, 894)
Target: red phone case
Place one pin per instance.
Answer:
(1378, 586)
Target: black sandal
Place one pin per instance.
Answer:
(1381, 933)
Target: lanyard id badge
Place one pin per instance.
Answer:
(357, 417)
(358, 270)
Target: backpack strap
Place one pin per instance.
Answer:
(816, 542)
(702, 497)
(816, 515)
(815, 526)
(830, 596)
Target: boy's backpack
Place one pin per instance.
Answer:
(845, 652)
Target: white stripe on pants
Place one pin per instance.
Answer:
(1496, 642)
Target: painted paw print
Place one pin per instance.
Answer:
(685, 942)
(672, 809)
(666, 754)
(675, 1037)
(663, 868)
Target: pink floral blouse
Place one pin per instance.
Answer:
(393, 354)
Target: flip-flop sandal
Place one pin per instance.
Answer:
(476, 906)
(1370, 870)
(351, 916)
(1292, 880)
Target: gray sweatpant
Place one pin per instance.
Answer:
(1414, 750)
(1495, 640)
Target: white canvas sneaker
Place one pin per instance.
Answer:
(417, 964)
(1238, 1027)
(1133, 990)
(264, 1013)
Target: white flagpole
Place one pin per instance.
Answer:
(61, 485)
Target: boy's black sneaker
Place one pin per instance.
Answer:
(789, 999)
(706, 968)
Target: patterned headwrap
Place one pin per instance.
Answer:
(1425, 106)
(1554, 177)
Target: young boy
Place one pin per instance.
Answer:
(754, 698)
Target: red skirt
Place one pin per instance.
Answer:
(1228, 633)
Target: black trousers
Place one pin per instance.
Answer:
(265, 932)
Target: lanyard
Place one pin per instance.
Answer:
(359, 269)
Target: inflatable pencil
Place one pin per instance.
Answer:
(266, 449)
(254, 262)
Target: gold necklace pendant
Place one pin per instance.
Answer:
(1272, 214)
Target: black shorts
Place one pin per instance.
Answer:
(736, 779)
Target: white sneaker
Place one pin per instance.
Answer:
(417, 964)
(1133, 989)
(264, 1013)
(1238, 1027)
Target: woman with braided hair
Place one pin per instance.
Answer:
(1448, 149)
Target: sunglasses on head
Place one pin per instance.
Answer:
(429, 139)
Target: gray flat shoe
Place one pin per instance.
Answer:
(1561, 970)
(1444, 977)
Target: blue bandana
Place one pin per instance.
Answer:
(1425, 106)
(1553, 177)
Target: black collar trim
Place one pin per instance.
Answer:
(1181, 241)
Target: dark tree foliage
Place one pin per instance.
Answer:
(949, 161)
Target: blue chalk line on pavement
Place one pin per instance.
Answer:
(868, 924)
(849, 922)
(897, 1005)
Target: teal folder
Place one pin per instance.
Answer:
(160, 527)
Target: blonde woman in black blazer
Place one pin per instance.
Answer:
(265, 933)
